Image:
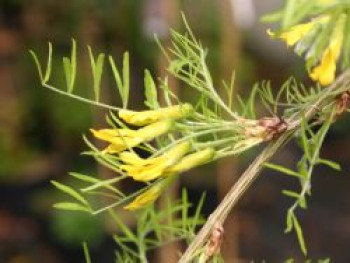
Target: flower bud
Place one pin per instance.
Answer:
(192, 160)
(122, 139)
(152, 168)
(145, 198)
(149, 196)
(150, 116)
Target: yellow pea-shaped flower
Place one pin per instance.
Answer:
(141, 118)
(146, 198)
(149, 196)
(297, 32)
(192, 160)
(122, 139)
(324, 73)
(152, 168)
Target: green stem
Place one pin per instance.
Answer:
(71, 95)
(212, 90)
(203, 145)
(191, 136)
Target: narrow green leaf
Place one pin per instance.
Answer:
(251, 102)
(330, 164)
(72, 67)
(37, 63)
(229, 90)
(71, 206)
(304, 140)
(97, 69)
(98, 75)
(184, 215)
(94, 181)
(291, 194)
(104, 184)
(123, 227)
(48, 65)
(126, 78)
(70, 191)
(197, 214)
(321, 134)
(300, 235)
(303, 11)
(166, 92)
(86, 253)
(67, 72)
(118, 80)
(150, 91)
(289, 221)
(281, 169)
(92, 59)
(85, 178)
(288, 13)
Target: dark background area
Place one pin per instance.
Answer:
(41, 132)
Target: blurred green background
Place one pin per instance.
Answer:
(41, 132)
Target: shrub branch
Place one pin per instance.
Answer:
(341, 85)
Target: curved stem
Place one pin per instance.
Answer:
(71, 95)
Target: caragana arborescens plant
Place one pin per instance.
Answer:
(156, 145)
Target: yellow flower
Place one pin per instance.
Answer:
(145, 198)
(149, 196)
(122, 139)
(324, 73)
(146, 117)
(149, 169)
(297, 32)
(192, 160)
(119, 139)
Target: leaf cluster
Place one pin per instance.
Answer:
(311, 143)
(155, 228)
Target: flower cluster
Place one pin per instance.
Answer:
(303, 37)
(161, 165)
